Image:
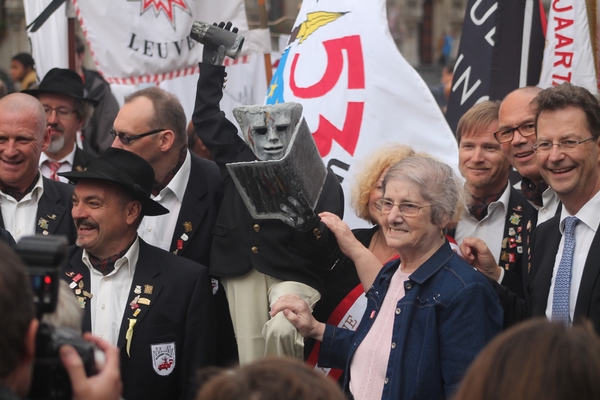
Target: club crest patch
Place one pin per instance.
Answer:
(163, 358)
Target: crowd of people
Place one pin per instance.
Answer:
(169, 272)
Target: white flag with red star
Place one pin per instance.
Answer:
(357, 90)
(142, 41)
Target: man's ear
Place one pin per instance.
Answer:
(47, 137)
(134, 209)
(167, 139)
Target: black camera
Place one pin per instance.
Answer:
(45, 257)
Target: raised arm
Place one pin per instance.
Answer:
(367, 265)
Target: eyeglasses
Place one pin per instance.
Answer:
(564, 145)
(128, 139)
(507, 134)
(406, 209)
(61, 112)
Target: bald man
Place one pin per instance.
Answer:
(30, 204)
(516, 134)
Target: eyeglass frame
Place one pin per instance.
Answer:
(575, 143)
(512, 130)
(128, 139)
(65, 114)
(379, 202)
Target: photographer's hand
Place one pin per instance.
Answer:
(106, 385)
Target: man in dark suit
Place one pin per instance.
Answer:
(496, 213)
(156, 307)
(29, 203)
(189, 186)
(564, 268)
(67, 112)
(260, 259)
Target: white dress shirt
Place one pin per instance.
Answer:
(158, 230)
(67, 165)
(111, 293)
(585, 230)
(20, 218)
(548, 210)
(490, 229)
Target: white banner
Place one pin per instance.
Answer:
(357, 90)
(246, 85)
(142, 41)
(49, 44)
(569, 54)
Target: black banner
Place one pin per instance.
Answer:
(495, 56)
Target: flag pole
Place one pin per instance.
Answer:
(70, 13)
(262, 16)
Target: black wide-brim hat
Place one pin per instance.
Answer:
(62, 81)
(127, 169)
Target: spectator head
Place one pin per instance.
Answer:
(481, 160)
(568, 145)
(67, 110)
(367, 187)
(110, 199)
(270, 379)
(19, 325)
(536, 359)
(23, 137)
(152, 124)
(20, 65)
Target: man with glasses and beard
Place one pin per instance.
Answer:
(67, 112)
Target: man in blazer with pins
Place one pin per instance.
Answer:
(565, 269)
(496, 213)
(156, 307)
(189, 186)
(30, 204)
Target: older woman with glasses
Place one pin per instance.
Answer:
(428, 313)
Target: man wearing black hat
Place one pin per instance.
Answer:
(67, 112)
(156, 307)
(29, 203)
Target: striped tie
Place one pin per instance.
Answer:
(562, 284)
(54, 167)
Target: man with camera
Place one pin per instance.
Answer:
(156, 307)
(17, 342)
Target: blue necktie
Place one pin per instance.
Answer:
(562, 284)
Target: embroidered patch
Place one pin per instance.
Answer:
(163, 358)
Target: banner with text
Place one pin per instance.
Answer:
(357, 90)
(500, 50)
(142, 41)
(571, 44)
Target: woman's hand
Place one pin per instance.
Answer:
(366, 263)
(298, 312)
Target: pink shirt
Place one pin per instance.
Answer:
(369, 365)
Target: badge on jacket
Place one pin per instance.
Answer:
(163, 358)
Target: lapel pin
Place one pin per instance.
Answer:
(42, 223)
(137, 312)
(70, 274)
(138, 289)
(76, 279)
(184, 237)
(81, 301)
(148, 289)
(179, 244)
(144, 301)
(187, 226)
(52, 217)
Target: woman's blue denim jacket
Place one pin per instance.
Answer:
(448, 314)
